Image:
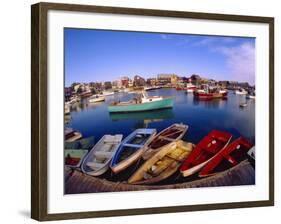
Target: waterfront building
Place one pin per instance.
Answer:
(107, 85)
(164, 79)
(139, 81)
(151, 81)
(174, 79)
(124, 81)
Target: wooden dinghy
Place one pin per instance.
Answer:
(204, 151)
(230, 156)
(162, 164)
(131, 149)
(168, 135)
(98, 159)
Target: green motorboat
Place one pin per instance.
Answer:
(142, 103)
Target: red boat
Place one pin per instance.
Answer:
(228, 157)
(204, 151)
(204, 95)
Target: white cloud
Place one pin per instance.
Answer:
(241, 61)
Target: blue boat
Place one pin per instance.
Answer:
(131, 149)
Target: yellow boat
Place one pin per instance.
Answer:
(162, 164)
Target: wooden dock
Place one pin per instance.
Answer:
(77, 182)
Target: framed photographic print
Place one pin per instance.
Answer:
(130, 105)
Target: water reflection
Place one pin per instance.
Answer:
(144, 118)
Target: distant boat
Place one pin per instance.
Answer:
(71, 135)
(166, 136)
(243, 104)
(131, 149)
(142, 103)
(66, 109)
(204, 151)
(148, 88)
(74, 157)
(206, 93)
(86, 94)
(190, 88)
(241, 91)
(163, 164)
(230, 156)
(96, 98)
(105, 93)
(251, 96)
(179, 88)
(98, 159)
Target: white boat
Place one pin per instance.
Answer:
(96, 98)
(241, 92)
(107, 93)
(251, 96)
(243, 104)
(190, 88)
(66, 109)
(148, 88)
(98, 159)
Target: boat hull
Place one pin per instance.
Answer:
(163, 164)
(150, 150)
(204, 151)
(209, 96)
(118, 166)
(113, 144)
(155, 105)
(228, 157)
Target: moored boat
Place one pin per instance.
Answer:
(204, 151)
(230, 156)
(243, 105)
(163, 164)
(148, 88)
(207, 93)
(241, 91)
(107, 93)
(142, 103)
(131, 149)
(190, 88)
(166, 136)
(71, 135)
(96, 98)
(66, 109)
(86, 94)
(98, 159)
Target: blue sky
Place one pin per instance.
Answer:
(100, 55)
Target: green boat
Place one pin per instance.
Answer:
(142, 103)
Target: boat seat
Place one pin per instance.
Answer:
(101, 155)
(95, 165)
(132, 145)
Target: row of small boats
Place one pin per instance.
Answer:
(163, 154)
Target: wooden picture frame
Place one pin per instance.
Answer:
(39, 109)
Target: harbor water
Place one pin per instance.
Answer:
(93, 119)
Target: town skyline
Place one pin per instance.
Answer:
(100, 56)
